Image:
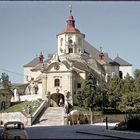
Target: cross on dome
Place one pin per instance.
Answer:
(101, 54)
(70, 6)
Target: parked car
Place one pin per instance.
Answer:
(14, 130)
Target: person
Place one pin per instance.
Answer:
(29, 109)
(66, 108)
(18, 126)
(61, 102)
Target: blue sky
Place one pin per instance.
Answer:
(27, 28)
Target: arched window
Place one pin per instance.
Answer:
(56, 82)
(70, 41)
(70, 50)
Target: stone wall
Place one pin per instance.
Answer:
(13, 116)
(30, 97)
(38, 111)
(18, 116)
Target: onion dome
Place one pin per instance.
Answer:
(71, 26)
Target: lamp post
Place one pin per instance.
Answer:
(92, 112)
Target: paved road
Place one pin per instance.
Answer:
(65, 132)
(97, 131)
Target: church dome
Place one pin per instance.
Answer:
(70, 26)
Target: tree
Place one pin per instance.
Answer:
(137, 90)
(78, 98)
(114, 91)
(128, 94)
(137, 80)
(85, 96)
(5, 80)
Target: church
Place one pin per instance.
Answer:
(57, 78)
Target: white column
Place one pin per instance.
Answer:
(16, 98)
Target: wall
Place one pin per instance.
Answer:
(63, 84)
(27, 72)
(30, 97)
(14, 116)
(38, 111)
(35, 74)
(125, 70)
(18, 116)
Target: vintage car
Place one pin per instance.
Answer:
(14, 130)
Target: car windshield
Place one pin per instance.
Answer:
(14, 126)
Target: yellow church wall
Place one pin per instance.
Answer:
(82, 75)
(35, 74)
(79, 78)
(107, 68)
(57, 67)
(64, 82)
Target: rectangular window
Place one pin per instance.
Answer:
(56, 82)
(70, 50)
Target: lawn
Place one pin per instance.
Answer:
(22, 107)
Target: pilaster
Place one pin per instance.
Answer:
(44, 86)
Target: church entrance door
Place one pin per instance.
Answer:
(57, 99)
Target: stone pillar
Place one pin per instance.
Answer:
(48, 98)
(44, 87)
(16, 96)
(29, 121)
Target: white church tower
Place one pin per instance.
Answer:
(70, 40)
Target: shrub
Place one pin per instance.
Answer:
(133, 122)
(111, 111)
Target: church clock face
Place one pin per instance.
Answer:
(57, 67)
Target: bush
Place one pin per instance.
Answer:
(133, 122)
(111, 111)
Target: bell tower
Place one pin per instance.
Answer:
(70, 40)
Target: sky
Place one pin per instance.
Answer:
(29, 27)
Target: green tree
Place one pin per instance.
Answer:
(137, 90)
(114, 91)
(137, 80)
(78, 98)
(128, 93)
(86, 95)
(5, 80)
(88, 90)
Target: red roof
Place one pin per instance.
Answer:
(71, 30)
(70, 18)
(70, 26)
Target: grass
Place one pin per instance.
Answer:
(22, 107)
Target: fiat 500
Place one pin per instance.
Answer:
(14, 130)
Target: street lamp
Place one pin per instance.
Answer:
(92, 104)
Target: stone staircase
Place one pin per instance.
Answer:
(52, 116)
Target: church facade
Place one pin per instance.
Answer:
(57, 78)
